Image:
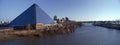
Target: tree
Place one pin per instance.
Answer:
(55, 18)
(66, 18)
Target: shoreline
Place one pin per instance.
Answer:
(26, 34)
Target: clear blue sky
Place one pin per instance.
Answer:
(79, 10)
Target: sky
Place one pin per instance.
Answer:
(78, 10)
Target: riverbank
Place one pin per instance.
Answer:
(26, 34)
(109, 25)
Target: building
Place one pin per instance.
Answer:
(33, 15)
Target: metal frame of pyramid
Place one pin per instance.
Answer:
(33, 15)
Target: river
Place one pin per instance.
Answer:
(85, 35)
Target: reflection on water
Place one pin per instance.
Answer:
(86, 35)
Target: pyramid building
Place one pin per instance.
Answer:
(33, 15)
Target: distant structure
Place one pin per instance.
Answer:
(33, 16)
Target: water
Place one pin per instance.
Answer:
(85, 35)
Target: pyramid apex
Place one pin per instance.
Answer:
(34, 4)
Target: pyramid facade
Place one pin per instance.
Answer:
(33, 15)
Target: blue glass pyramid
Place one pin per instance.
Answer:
(32, 15)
